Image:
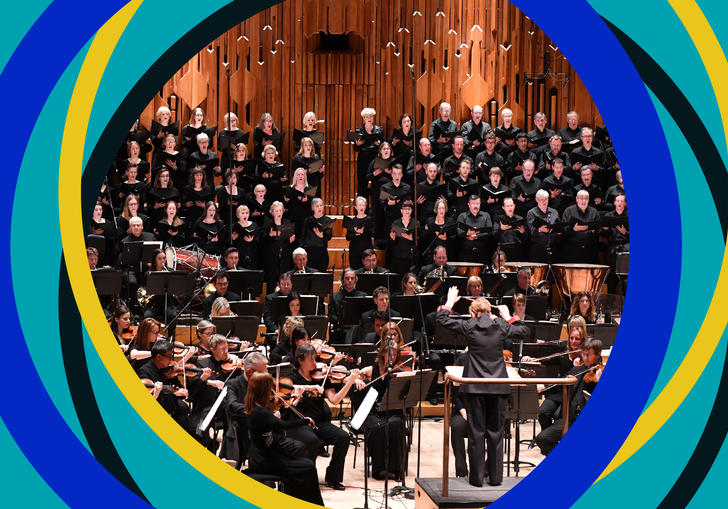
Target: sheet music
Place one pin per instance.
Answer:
(366, 406)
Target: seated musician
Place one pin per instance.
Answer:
(237, 431)
(387, 457)
(519, 309)
(313, 405)
(439, 267)
(583, 305)
(300, 262)
(221, 284)
(369, 263)
(523, 284)
(231, 258)
(285, 286)
(293, 334)
(157, 369)
(336, 309)
(553, 395)
(588, 373)
(378, 319)
(268, 452)
(381, 301)
(203, 396)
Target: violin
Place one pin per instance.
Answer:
(333, 373)
(129, 333)
(150, 385)
(326, 354)
(591, 376)
(282, 397)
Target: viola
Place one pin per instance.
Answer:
(333, 373)
(591, 376)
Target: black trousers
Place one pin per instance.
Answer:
(458, 432)
(328, 434)
(301, 479)
(546, 412)
(379, 448)
(549, 437)
(486, 418)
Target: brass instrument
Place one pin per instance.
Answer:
(209, 290)
(143, 297)
(543, 288)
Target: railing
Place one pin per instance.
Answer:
(451, 378)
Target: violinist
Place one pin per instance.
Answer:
(487, 337)
(237, 431)
(379, 373)
(313, 404)
(140, 348)
(268, 453)
(294, 335)
(553, 396)
(587, 373)
(120, 324)
(157, 369)
(203, 396)
(204, 331)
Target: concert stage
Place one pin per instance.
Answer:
(428, 493)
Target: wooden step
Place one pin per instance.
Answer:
(338, 243)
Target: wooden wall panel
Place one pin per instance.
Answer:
(465, 52)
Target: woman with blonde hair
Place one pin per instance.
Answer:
(368, 139)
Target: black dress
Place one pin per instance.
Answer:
(203, 234)
(275, 251)
(178, 169)
(160, 195)
(359, 242)
(402, 252)
(192, 211)
(316, 247)
(314, 178)
(268, 455)
(367, 153)
(163, 231)
(248, 249)
(227, 201)
(275, 179)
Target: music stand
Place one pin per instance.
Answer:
(107, 281)
(246, 283)
(403, 392)
(308, 306)
(450, 338)
(354, 307)
(447, 282)
(406, 325)
(317, 326)
(408, 305)
(605, 332)
(243, 327)
(362, 353)
(247, 308)
(176, 282)
(368, 282)
(314, 283)
(545, 331)
(535, 306)
(462, 306)
(522, 405)
(498, 283)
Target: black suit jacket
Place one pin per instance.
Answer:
(486, 342)
(377, 270)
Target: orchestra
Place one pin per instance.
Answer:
(484, 197)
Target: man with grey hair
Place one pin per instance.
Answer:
(441, 133)
(539, 136)
(236, 442)
(300, 262)
(506, 133)
(540, 220)
(571, 134)
(580, 243)
(474, 131)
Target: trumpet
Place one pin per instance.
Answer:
(143, 297)
(209, 289)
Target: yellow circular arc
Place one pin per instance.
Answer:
(70, 172)
(711, 330)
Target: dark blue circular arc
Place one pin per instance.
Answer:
(617, 89)
(30, 415)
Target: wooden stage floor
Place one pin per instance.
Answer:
(430, 466)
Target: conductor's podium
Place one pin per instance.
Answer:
(428, 493)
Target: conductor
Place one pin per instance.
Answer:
(485, 404)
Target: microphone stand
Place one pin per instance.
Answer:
(230, 156)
